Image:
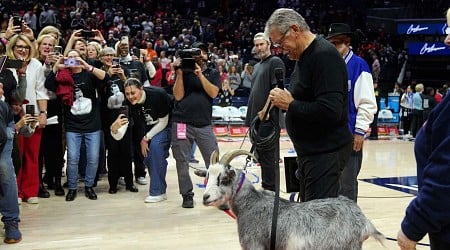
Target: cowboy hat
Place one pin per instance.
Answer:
(337, 29)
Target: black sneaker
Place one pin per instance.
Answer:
(188, 202)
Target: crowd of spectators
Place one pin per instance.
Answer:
(227, 25)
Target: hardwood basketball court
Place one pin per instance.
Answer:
(123, 220)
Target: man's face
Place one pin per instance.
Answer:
(286, 42)
(262, 48)
(341, 43)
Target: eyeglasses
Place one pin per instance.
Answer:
(23, 47)
(280, 42)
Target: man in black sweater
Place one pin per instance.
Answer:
(263, 79)
(316, 104)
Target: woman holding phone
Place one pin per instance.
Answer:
(20, 47)
(51, 154)
(81, 115)
(150, 110)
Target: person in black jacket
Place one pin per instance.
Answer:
(149, 114)
(316, 104)
(193, 91)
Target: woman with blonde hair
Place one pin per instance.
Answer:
(51, 154)
(93, 50)
(20, 47)
(51, 30)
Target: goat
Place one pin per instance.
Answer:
(332, 223)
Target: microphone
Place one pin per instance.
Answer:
(279, 75)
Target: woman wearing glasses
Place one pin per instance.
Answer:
(20, 47)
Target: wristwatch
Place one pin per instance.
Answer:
(43, 112)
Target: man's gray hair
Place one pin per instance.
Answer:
(283, 18)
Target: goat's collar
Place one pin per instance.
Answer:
(240, 182)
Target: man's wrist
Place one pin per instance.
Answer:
(43, 112)
(360, 131)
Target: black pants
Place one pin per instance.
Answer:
(438, 244)
(406, 120)
(269, 156)
(417, 121)
(51, 153)
(119, 159)
(319, 174)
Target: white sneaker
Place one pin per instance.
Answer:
(33, 200)
(19, 200)
(121, 181)
(141, 181)
(154, 199)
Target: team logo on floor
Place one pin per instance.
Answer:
(406, 184)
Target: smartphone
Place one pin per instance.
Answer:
(17, 21)
(137, 52)
(57, 50)
(87, 34)
(13, 63)
(124, 110)
(29, 109)
(116, 62)
(71, 62)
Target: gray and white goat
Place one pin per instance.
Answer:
(333, 223)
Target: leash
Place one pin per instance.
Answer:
(417, 243)
(276, 202)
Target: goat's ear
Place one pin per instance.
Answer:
(228, 177)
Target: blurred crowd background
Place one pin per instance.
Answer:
(228, 26)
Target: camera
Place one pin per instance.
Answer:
(71, 62)
(57, 50)
(17, 21)
(86, 34)
(29, 109)
(188, 58)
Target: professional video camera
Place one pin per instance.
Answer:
(188, 58)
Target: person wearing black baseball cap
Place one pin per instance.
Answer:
(362, 105)
(193, 91)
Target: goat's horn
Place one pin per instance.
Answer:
(229, 156)
(214, 158)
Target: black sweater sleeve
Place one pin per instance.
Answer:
(50, 81)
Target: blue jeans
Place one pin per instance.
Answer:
(92, 142)
(156, 162)
(9, 206)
